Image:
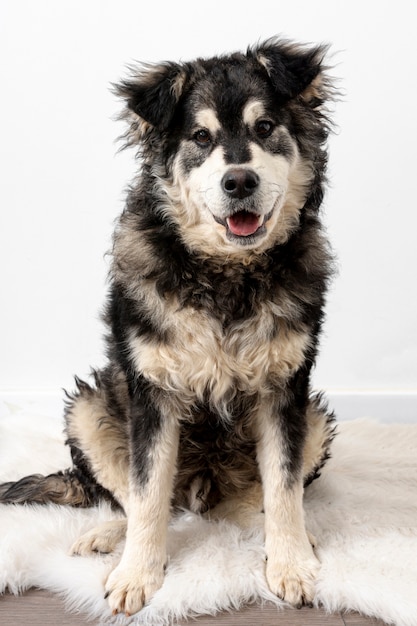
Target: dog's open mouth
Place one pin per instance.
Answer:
(244, 225)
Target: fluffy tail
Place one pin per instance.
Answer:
(67, 487)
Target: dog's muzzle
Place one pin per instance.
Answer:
(243, 225)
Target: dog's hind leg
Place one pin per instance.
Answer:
(103, 538)
(97, 431)
(321, 430)
(96, 427)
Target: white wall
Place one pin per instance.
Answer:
(62, 182)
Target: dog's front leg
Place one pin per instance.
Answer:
(154, 446)
(291, 566)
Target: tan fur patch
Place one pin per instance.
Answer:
(314, 89)
(207, 118)
(201, 357)
(178, 84)
(319, 433)
(244, 509)
(105, 443)
(253, 111)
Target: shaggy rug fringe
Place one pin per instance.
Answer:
(363, 512)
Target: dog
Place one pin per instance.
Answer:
(218, 280)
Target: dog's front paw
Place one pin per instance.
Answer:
(293, 580)
(128, 589)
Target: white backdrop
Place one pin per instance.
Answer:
(62, 183)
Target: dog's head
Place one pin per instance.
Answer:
(235, 142)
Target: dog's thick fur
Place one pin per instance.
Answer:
(218, 281)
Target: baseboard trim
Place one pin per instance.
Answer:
(383, 406)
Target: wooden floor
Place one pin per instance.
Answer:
(40, 608)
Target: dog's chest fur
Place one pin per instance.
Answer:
(212, 329)
(200, 356)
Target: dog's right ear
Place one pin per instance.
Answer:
(153, 92)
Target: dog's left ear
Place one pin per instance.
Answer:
(153, 93)
(294, 70)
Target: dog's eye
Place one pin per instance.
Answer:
(202, 137)
(264, 128)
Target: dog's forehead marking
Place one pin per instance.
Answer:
(252, 111)
(207, 118)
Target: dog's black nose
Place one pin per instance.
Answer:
(240, 183)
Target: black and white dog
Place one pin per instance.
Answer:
(218, 281)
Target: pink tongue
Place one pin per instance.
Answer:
(243, 223)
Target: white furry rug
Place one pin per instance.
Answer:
(363, 512)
